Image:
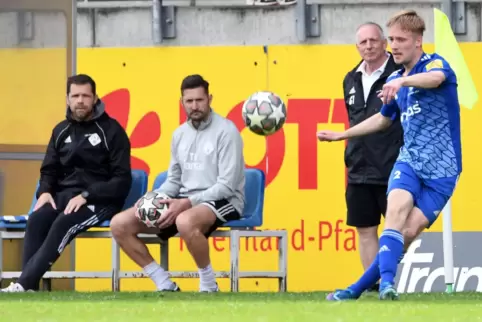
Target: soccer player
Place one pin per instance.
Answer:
(424, 95)
(85, 178)
(368, 163)
(205, 178)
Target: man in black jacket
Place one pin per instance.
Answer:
(85, 178)
(369, 159)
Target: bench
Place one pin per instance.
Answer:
(13, 227)
(245, 227)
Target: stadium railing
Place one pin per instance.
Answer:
(245, 227)
(13, 227)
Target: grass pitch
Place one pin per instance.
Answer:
(233, 307)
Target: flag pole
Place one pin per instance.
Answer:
(447, 231)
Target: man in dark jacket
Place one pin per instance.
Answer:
(85, 178)
(369, 159)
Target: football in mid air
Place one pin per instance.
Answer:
(264, 113)
(150, 209)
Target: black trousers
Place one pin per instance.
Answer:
(48, 232)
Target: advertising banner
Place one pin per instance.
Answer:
(305, 179)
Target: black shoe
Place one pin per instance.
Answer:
(174, 288)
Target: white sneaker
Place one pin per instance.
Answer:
(13, 288)
(204, 289)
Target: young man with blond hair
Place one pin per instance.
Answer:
(424, 93)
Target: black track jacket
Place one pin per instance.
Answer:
(369, 159)
(92, 156)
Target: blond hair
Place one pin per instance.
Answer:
(408, 20)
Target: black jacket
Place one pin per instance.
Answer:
(369, 159)
(92, 156)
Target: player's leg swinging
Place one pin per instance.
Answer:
(400, 203)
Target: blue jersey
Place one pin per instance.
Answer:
(431, 122)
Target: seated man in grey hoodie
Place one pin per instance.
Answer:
(206, 181)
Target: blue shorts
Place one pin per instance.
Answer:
(429, 195)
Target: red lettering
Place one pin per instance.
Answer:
(301, 233)
(322, 234)
(216, 240)
(181, 244)
(337, 234)
(265, 244)
(253, 240)
(350, 242)
(340, 115)
(275, 147)
(307, 113)
(182, 114)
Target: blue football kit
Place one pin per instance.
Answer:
(428, 165)
(430, 160)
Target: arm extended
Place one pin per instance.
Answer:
(432, 79)
(373, 124)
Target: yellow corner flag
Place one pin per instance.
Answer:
(446, 46)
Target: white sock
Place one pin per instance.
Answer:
(159, 276)
(208, 280)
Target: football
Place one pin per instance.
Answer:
(149, 209)
(264, 113)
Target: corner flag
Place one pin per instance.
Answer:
(446, 46)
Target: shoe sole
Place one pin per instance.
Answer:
(332, 298)
(389, 295)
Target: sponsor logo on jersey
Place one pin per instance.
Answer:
(411, 111)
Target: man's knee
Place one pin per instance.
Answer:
(195, 221)
(399, 205)
(39, 216)
(124, 223)
(400, 202)
(367, 234)
(186, 226)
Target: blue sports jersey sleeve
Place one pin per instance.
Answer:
(440, 64)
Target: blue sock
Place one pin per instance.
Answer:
(368, 279)
(391, 249)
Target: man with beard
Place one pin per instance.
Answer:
(85, 178)
(205, 181)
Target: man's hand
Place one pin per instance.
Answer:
(390, 90)
(329, 136)
(75, 204)
(175, 208)
(44, 199)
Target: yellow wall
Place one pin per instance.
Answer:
(307, 179)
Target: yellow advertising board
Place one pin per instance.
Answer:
(305, 179)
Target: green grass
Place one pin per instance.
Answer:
(233, 307)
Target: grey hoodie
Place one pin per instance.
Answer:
(207, 163)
